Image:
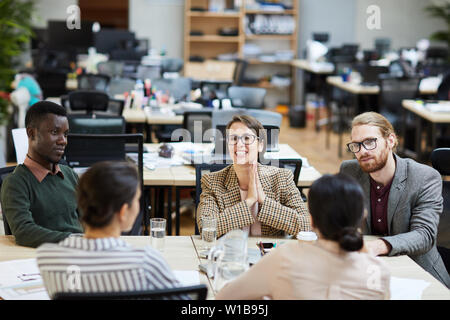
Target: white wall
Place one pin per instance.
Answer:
(160, 21)
(51, 10)
(404, 21)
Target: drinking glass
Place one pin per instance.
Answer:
(157, 233)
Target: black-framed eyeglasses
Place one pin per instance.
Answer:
(368, 144)
(246, 139)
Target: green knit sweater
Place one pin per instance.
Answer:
(40, 212)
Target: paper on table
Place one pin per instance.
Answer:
(21, 280)
(187, 278)
(407, 289)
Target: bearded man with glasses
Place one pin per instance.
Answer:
(403, 198)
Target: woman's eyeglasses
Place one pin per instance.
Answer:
(368, 144)
(246, 139)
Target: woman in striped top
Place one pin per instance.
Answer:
(108, 198)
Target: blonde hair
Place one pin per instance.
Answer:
(377, 120)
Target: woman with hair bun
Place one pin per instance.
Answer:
(336, 266)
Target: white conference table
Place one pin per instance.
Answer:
(181, 253)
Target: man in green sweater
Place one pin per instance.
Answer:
(38, 198)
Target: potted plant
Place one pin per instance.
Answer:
(15, 33)
(440, 11)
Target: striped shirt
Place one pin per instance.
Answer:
(78, 264)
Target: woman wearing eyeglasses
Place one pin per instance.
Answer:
(260, 199)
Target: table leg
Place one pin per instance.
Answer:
(169, 211)
(177, 210)
(418, 138)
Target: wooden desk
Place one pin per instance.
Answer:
(318, 72)
(399, 266)
(419, 110)
(179, 253)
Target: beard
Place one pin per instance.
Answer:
(375, 164)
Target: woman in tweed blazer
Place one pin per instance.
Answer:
(247, 195)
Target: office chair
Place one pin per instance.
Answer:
(120, 86)
(392, 91)
(88, 101)
(247, 97)
(113, 69)
(295, 165)
(171, 65)
(83, 150)
(190, 122)
(4, 172)
(382, 46)
(443, 92)
(197, 292)
(148, 72)
(200, 170)
(89, 81)
(440, 160)
(180, 90)
(322, 37)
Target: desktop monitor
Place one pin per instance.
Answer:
(98, 125)
(59, 37)
(108, 40)
(85, 150)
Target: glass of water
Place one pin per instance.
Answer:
(209, 232)
(157, 232)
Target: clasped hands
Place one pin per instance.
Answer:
(255, 190)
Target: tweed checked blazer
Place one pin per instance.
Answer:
(414, 208)
(283, 210)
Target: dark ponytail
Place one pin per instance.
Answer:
(350, 239)
(336, 204)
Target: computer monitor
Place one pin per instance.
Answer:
(60, 37)
(108, 40)
(371, 73)
(99, 125)
(84, 150)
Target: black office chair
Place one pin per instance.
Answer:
(440, 159)
(443, 92)
(120, 86)
(89, 81)
(4, 172)
(197, 292)
(191, 121)
(200, 170)
(392, 91)
(88, 101)
(113, 69)
(295, 165)
(247, 97)
(83, 150)
(171, 65)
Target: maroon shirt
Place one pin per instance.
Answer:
(379, 196)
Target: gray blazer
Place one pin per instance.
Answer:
(414, 207)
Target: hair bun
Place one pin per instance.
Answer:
(350, 239)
